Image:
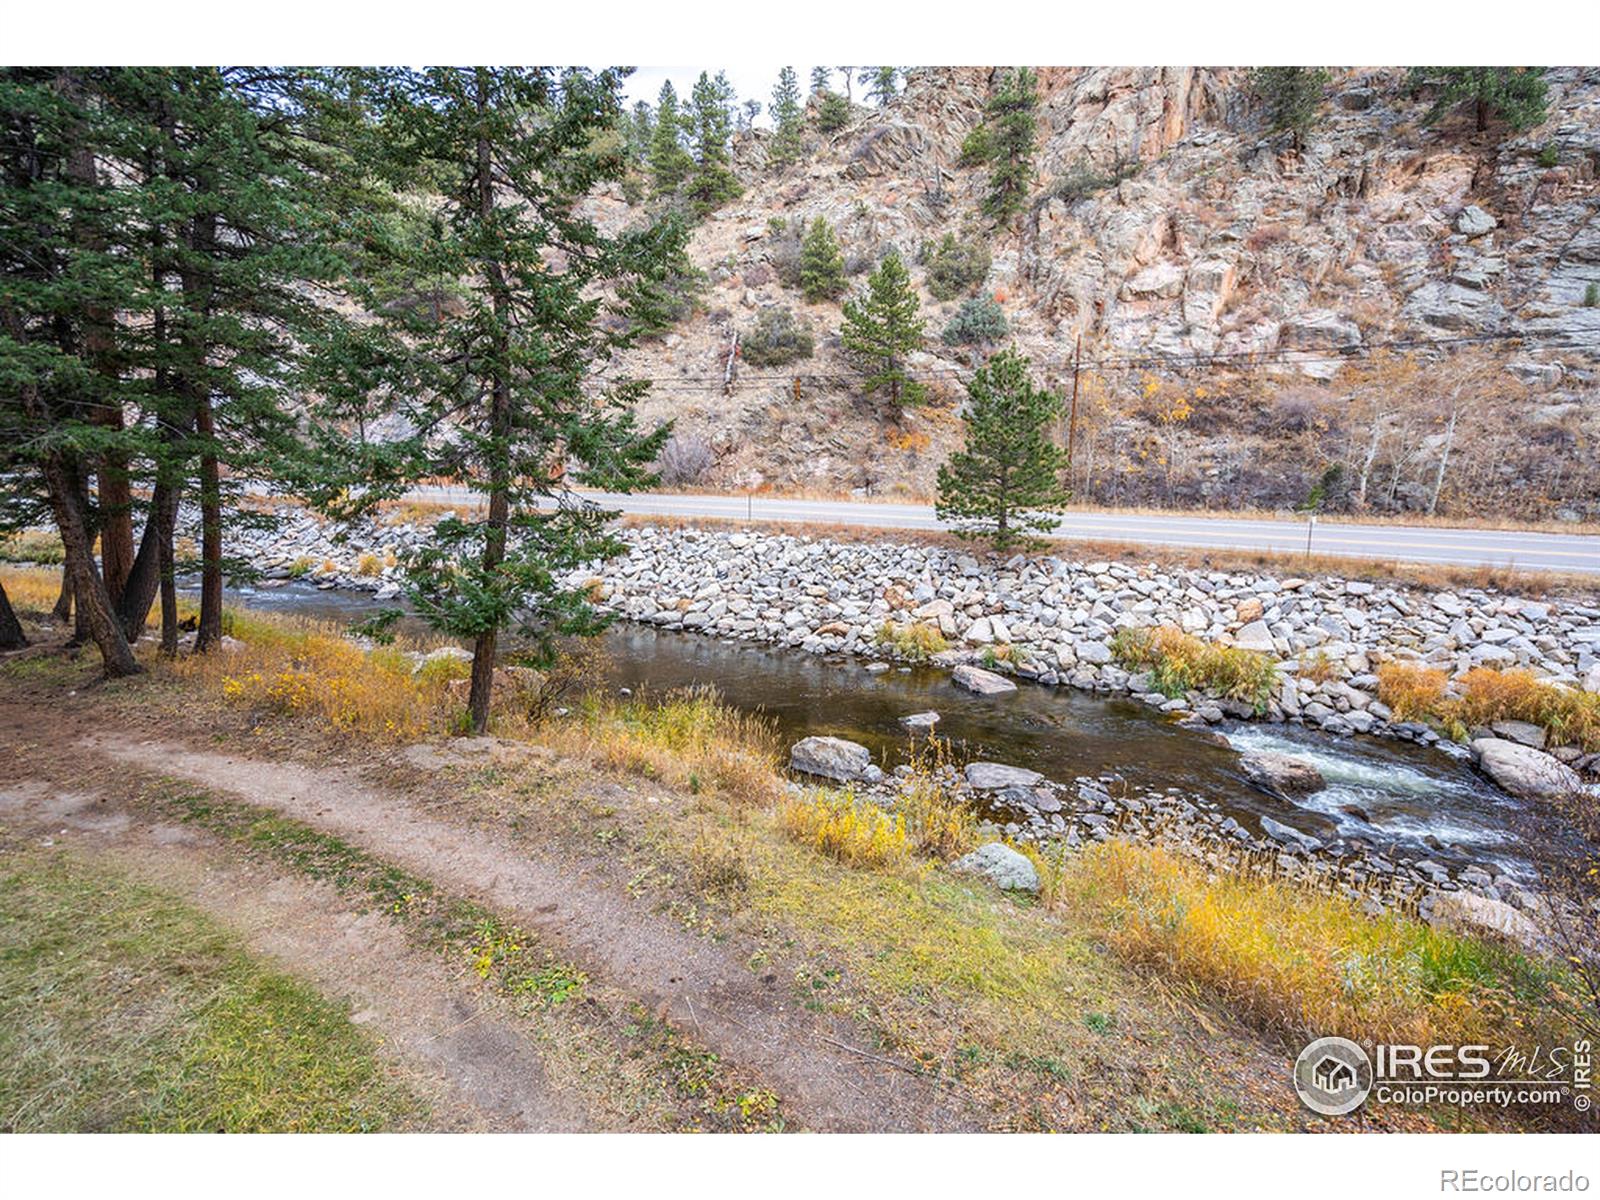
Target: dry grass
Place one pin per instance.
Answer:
(938, 819)
(916, 641)
(311, 669)
(1485, 695)
(31, 589)
(856, 832)
(1302, 963)
(689, 738)
(31, 546)
(1179, 663)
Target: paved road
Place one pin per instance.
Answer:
(1401, 543)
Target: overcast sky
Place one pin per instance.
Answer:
(752, 83)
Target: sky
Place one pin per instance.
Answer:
(752, 83)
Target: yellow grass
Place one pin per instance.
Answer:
(1179, 663)
(1298, 961)
(855, 832)
(917, 641)
(1411, 690)
(1485, 695)
(31, 589)
(688, 738)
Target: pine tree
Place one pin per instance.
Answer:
(639, 129)
(821, 80)
(710, 123)
(1292, 96)
(1006, 480)
(882, 327)
(880, 83)
(507, 370)
(821, 264)
(669, 161)
(849, 74)
(1517, 94)
(833, 112)
(787, 119)
(1011, 119)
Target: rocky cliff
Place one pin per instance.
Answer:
(1230, 295)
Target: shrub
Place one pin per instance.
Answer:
(1301, 962)
(917, 641)
(977, 322)
(684, 458)
(938, 819)
(854, 832)
(1083, 180)
(955, 266)
(1550, 155)
(1411, 690)
(976, 147)
(833, 112)
(1591, 296)
(369, 565)
(1318, 667)
(1178, 663)
(779, 337)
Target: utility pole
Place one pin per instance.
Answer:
(1072, 420)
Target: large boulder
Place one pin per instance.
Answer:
(980, 682)
(992, 776)
(1470, 913)
(1282, 773)
(1255, 636)
(830, 758)
(1006, 868)
(1524, 771)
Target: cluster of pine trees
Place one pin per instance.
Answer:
(182, 248)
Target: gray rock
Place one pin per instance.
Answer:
(1524, 771)
(1288, 835)
(1282, 773)
(1467, 912)
(981, 682)
(1255, 636)
(1524, 732)
(1008, 869)
(1474, 221)
(991, 776)
(921, 720)
(830, 758)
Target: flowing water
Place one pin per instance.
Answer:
(1405, 799)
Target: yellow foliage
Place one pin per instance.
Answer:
(1486, 695)
(938, 819)
(916, 641)
(1178, 663)
(854, 832)
(31, 589)
(1411, 690)
(369, 565)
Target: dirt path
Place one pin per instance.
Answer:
(477, 1069)
(817, 1064)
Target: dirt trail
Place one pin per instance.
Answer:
(826, 1078)
(478, 1070)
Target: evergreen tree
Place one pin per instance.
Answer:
(1005, 481)
(1517, 94)
(748, 112)
(882, 327)
(821, 264)
(710, 123)
(639, 131)
(821, 80)
(881, 83)
(849, 74)
(1012, 121)
(1292, 96)
(669, 161)
(787, 119)
(833, 112)
(507, 370)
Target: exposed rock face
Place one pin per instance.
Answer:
(1008, 869)
(1282, 773)
(981, 682)
(1166, 221)
(831, 758)
(992, 776)
(1524, 771)
(1467, 912)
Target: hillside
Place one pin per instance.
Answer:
(1177, 239)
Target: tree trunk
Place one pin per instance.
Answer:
(88, 588)
(1444, 462)
(210, 631)
(168, 515)
(494, 542)
(11, 635)
(139, 593)
(62, 612)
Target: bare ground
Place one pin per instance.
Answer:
(826, 1078)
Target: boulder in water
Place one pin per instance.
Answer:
(1282, 773)
(1523, 771)
(992, 776)
(980, 682)
(922, 720)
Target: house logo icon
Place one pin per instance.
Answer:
(1332, 1076)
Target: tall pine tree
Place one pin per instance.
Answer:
(712, 182)
(670, 163)
(1292, 96)
(1012, 119)
(787, 119)
(510, 402)
(881, 83)
(1516, 94)
(1006, 481)
(882, 328)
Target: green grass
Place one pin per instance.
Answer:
(123, 1008)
